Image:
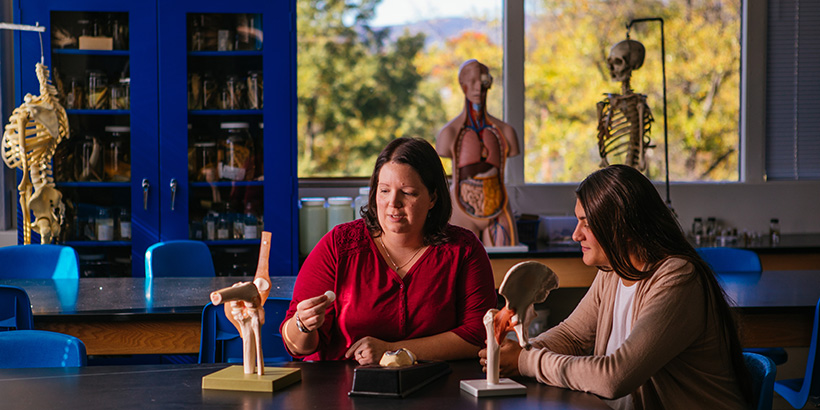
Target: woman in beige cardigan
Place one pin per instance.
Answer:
(654, 331)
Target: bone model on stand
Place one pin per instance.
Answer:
(30, 139)
(624, 120)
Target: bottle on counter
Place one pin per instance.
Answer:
(697, 230)
(125, 225)
(361, 201)
(105, 225)
(339, 211)
(312, 223)
(774, 231)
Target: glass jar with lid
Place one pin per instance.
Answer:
(118, 153)
(121, 95)
(88, 159)
(312, 223)
(339, 210)
(236, 153)
(98, 93)
(203, 157)
(232, 94)
(254, 81)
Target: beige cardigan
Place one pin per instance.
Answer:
(672, 359)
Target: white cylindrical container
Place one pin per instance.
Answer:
(361, 201)
(339, 211)
(312, 223)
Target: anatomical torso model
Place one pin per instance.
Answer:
(479, 145)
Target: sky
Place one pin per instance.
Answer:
(392, 12)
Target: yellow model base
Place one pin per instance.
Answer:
(234, 378)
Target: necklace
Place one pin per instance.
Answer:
(395, 266)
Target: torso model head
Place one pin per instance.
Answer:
(475, 80)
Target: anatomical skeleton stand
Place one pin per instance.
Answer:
(29, 141)
(624, 120)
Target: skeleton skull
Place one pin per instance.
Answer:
(624, 57)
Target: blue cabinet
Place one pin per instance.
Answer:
(175, 165)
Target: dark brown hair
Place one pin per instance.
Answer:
(422, 157)
(627, 215)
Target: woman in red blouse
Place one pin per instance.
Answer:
(403, 276)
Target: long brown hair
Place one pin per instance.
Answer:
(422, 157)
(627, 216)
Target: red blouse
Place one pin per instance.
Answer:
(449, 288)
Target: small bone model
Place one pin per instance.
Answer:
(398, 358)
(247, 311)
(524, 285)
(29, 141)
(624, 121)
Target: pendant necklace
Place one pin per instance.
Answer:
(397, 267)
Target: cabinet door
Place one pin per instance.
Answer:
(227, 143)
(96, 189)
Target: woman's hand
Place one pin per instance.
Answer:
(368, 350)
(509, 350)
(311, 312)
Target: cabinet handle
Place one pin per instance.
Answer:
(145, 186)
(173, 192)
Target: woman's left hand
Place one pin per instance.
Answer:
(509, 350)
(367, 350)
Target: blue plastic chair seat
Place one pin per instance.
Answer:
(40, 348)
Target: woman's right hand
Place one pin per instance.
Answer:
(311, 311)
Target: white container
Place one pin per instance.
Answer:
(361, 201)
(312, 223)
(339, 211)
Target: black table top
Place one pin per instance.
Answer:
(130, 296)
(324, 385)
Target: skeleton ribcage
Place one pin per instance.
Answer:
(623, 130)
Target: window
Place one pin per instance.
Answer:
(369, 73)
(566, 75)
(365, 79)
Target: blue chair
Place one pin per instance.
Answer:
(182, 258)
(39, 262)
(799, 391)
(40, 348)
(731, 260)
(15, 309)
(220, 342)
(763, 372)
(727, 261)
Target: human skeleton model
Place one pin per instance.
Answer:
(30, 139)
(479, 145)
(624, 121)
(245, 301)
(524, 285)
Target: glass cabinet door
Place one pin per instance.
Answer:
(103, 65)
(227, 176)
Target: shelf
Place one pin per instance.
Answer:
(225, 53)
(97, 112)
(74, 51)
(94, 184)
(225, 112)
(226, 184)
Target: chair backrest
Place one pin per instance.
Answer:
(39, 262)
(181, 258)
(15, 309)
(728, 260)
(813, 363)
(40, 348)
(220, 342)
(763, 372)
